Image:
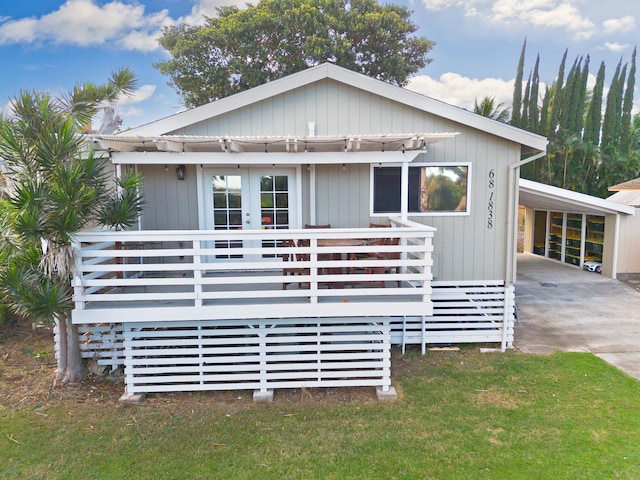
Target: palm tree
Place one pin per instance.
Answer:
(57, 189)
(488, 108)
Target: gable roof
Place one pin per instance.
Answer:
(628, 185)
(311, 75)
(628, 197)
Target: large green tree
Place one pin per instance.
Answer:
(57, 189)
(242, 48)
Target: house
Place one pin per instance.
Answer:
(628, 258)
(223, 287)
(578, 229)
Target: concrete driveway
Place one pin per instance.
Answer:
(566, 309)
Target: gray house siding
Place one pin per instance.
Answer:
(466, 247)
(170, 204)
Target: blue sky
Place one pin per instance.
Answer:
(53, 45)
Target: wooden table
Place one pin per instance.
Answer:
(341, 242)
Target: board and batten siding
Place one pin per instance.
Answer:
(170, 204)
(465, 247)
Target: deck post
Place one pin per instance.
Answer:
(197, 273)
(508, 307)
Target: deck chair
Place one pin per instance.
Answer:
(381, 256)
(290, 259)
(321, 257)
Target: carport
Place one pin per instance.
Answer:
(570, 227)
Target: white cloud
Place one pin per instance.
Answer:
(443, 4)
(557, 14)
(88, 23)
(461, 91)
(615, 47)
(619, 25)
(543, 13)
(84, 23)
(208, 8)
(145, 92)
(132, 112)
(128, 106)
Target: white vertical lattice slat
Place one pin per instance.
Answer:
(102, 343)
(258, 355)
(464, 312)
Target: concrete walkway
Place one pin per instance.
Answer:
(563, 308)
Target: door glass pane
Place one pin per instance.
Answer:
(282, 218)
(227, 208)
(274, 205)
(282, 200)
(266, 200)
(282, 183)
(219, 200)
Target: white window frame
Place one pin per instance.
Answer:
(467, 212)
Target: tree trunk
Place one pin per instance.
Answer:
(74, 371)
(62, 354)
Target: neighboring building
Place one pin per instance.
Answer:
(628, 193)
(577, 229)
(222, 287)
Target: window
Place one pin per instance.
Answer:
(433, 189)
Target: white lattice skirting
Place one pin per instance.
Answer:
(257, 355)
(288, 353)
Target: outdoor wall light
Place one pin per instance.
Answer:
(181, 171)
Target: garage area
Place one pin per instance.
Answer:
(572, 228)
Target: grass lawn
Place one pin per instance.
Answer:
(460, 415)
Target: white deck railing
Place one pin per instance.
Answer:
(151, 276)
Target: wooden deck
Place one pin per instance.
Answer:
(156, 276)
(219, 310)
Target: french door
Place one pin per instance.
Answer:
(249, 199)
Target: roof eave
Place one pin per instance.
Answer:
(574, 198)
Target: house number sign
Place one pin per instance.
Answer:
(490, 204)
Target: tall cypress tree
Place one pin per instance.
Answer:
(567, 121)
(594, 114)
(557, 97)
(544, 112)
(524, 120)
(618, 99)
(533, 99)
(625, 127)
(517, 90)
(581, 98)
(611, 112)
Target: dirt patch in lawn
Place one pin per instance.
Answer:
(28, 368)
